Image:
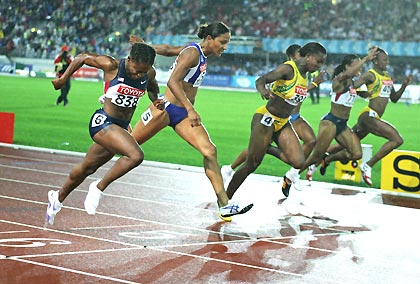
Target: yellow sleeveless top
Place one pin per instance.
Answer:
(292, 91)
(381, 87)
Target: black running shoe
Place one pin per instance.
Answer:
(285, 188)
(324, 164)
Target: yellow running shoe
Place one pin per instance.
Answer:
(226, 219)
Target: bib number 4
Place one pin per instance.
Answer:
(267, 120)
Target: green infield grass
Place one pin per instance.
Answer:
(225, 113)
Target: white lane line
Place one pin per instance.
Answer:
(75, 271)
(14, 232)
(105, 227)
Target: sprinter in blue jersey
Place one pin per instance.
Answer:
(127, 81)
(187, 74)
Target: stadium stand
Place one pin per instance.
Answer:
(38, 29)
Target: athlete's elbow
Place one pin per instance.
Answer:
(260, 80)
(171, 84)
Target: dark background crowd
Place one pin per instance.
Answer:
(38, 28)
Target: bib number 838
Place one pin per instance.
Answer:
(125, 101)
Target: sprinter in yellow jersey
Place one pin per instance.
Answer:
(271, 121)
(301, 126)
(381, 89)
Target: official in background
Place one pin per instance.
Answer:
(314, 92)
(61, 62)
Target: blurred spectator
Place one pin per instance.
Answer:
(61, 63)
(41, 27)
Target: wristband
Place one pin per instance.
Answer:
(315, 84)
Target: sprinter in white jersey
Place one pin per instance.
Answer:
(381, 91)
(128, 79)
(334, 124)
(186, 76)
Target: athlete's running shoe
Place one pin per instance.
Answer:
(226, 219)
(54, 206)
(291, 177)
(227, 173)
(92, 198)
(287, 184)
(324, 164)
(366, 173)
(310, 172)
(233, 208)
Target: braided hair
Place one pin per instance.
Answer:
(143, 53)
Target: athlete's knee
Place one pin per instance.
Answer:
(209, 152)
(252, 163)
(356, 155)
(136, 158)
(89, 170)
(398, 141)
(310, 143)
(251, 167)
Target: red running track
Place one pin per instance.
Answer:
(158, 224)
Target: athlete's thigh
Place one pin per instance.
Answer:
(260, 138)
(151, 121)
(117, 140)
(349, 140)
(288, 142)
(303, 130)
(326, 134)
(382, 128)
(196, 136)
(359, 130)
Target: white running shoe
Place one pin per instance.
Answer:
(233, 208)
(293, 176)
(227, 173)
(93, 197)
(310, 172)
(54, 206)
(366, 173)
